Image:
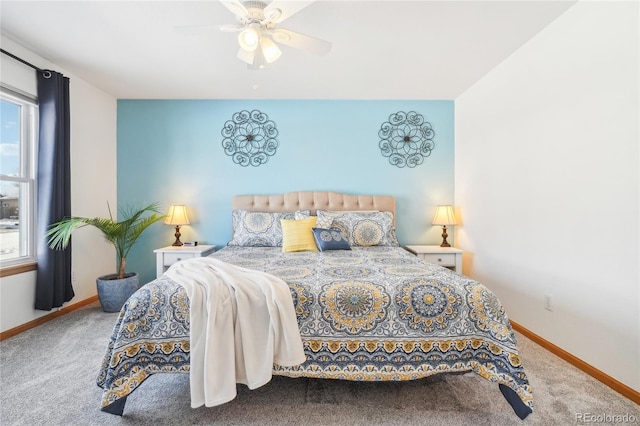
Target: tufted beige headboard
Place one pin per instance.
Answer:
(312, 200)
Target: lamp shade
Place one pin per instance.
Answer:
(249, 38)
(444, 216)
(270, 51)
(177, 215)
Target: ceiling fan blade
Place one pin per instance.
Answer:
(230, 28)
(301, 41)
(194, 29)
(235, 7)
(205, 29)
(278, 10)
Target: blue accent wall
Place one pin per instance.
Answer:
(170, 151)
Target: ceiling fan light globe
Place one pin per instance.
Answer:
(246, 57)
(270, 50)
(249, 39)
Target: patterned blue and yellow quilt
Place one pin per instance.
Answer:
(376, 313)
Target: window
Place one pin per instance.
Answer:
(18, 138)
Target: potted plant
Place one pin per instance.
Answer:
(113, 289)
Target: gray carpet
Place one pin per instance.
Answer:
(47, 376)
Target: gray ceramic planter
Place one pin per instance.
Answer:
(113, 292)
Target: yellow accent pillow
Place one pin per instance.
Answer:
(297, 235)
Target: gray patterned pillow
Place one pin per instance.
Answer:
(326, 219)
(362, 228)
(303, 214)
(258, 229)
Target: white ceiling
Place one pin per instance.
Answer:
(381, 49)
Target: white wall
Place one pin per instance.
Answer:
(93, 183)
(547, 159)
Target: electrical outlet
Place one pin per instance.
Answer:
(547, 302)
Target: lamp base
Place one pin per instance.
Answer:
(177, 242)
(444, 238)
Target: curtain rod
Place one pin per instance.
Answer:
(21, 60)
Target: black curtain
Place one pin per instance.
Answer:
(53, 285)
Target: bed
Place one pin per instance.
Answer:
(367, 313)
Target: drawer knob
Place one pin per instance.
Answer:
(439, 259)
(179, 259)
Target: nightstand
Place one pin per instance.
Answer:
(167, 256)
(449, 257)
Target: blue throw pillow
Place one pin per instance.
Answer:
(330, 239)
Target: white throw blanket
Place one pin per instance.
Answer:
(242, 322)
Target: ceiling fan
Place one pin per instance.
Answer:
(259, 32)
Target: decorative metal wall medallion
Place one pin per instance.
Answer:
(406, 139)
(250, 138)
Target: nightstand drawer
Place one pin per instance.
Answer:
(167, 256)
(448, 259)
(171, 258)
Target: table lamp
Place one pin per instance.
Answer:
(444, 216)
(177, 216)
